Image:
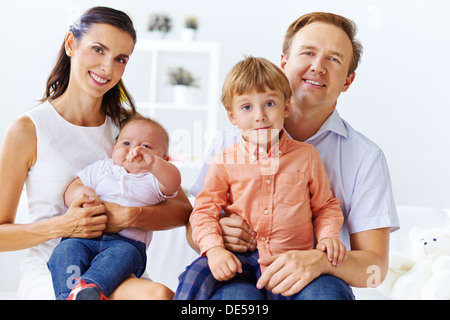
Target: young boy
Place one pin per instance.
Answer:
(137, 174)
(277, 185)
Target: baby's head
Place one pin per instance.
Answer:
(141, 131)
(256, 94)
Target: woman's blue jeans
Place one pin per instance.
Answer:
(105, 261)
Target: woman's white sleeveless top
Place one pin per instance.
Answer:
(62, 150)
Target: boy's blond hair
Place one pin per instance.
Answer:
(254, 74)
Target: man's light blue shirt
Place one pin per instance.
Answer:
(357, 170)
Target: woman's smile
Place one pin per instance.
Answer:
(98, 80)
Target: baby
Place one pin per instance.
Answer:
(138, 174)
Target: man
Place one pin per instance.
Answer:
(320, 56)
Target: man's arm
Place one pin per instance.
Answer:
(366, 265)
(368, 262)
(194, 245)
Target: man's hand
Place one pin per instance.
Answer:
(237, 235)
(290, 272)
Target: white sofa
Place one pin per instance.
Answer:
(169, 252)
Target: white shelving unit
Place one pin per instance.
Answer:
(156, 48)
(199, 58)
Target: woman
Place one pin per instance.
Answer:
(75, 125)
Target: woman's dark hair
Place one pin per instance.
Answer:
(113, 102)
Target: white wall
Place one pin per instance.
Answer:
(399, 98)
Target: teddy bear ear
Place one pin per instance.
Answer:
(447, 231)
(414, 232)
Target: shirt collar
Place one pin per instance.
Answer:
(334, 123)
(120, 172)
(255, 152)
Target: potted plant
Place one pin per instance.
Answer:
(189, 31)
(181, 79)
(159, 24)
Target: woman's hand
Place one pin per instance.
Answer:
(84, 219)
(169, 214)
(92, 201)
(237, 235)
(119, 217)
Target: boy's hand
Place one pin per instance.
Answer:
(223, 264)
(336, 251)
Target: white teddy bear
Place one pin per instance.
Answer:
(427, 276)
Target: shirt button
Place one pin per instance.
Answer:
(266, 211)
(268, 181)
(261, 150)
(263, 238)
(280, 152)
(253, 158)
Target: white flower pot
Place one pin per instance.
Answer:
(181, 95)
(188, 34)
(158, 35)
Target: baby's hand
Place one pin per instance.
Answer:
(336, 251)
(141, 158)
(223, 264)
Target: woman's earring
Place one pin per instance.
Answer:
(69, 53)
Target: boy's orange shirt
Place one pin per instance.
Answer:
(284, 195)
